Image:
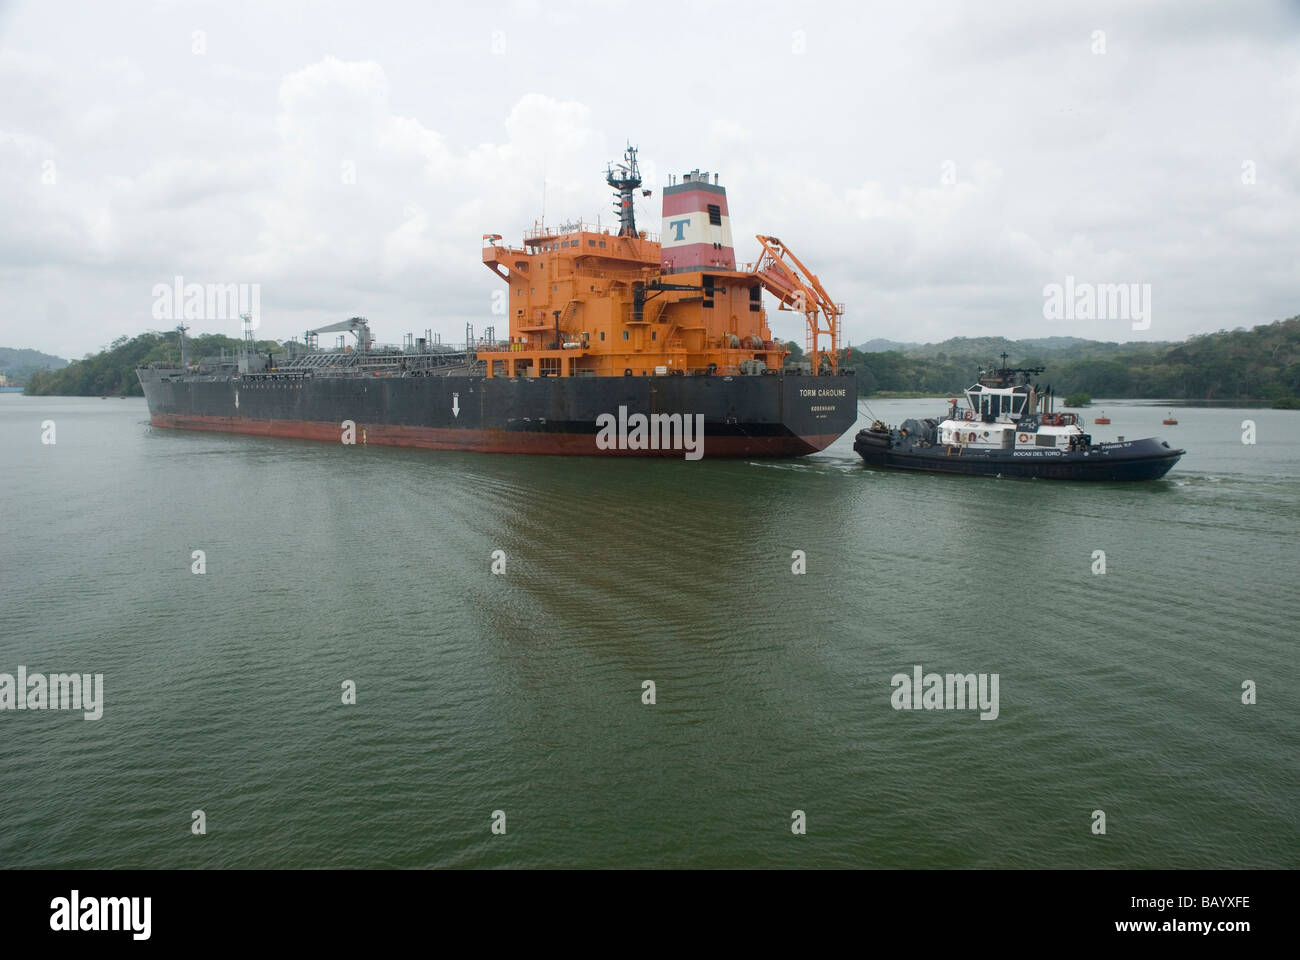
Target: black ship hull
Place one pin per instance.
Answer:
(1148, 459)
(743, 416)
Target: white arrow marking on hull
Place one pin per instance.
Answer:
(455, 404)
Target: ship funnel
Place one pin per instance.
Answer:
(696, 232)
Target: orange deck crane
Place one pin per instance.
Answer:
(797, 288)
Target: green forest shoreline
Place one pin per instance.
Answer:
(1260, 365)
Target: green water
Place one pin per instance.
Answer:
(522, 692)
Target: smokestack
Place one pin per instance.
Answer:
(696, 229)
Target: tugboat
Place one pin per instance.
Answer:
(1103, 419)
(1009, 428)
(1169, 421)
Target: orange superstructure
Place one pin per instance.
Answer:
(590, 301)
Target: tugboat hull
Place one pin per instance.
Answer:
(1148, 459)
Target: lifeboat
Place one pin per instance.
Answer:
(1103, 418)
(1169, 421)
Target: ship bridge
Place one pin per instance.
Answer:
(999, 401)
(1003, 392)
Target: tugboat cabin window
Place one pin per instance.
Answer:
(1045, 439)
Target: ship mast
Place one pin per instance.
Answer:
(625, 178)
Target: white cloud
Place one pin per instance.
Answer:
(350, 163)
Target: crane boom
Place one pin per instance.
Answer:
(797, 288)
(356, 325)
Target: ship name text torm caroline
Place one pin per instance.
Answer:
(618, 343)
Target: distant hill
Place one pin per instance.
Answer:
(883, 346)
(994, 347)
(1262, 363)
(18, 364)
(112, 371)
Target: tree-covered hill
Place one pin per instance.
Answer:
(19, 364)
(112, 371)
(1261, 364)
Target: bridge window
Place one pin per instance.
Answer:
(602, 334)
(624, 334)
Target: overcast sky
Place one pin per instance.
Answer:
(937, 164)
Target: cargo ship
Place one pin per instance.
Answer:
(619, 343)
(1009, 428)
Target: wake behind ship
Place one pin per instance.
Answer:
(618, 344)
